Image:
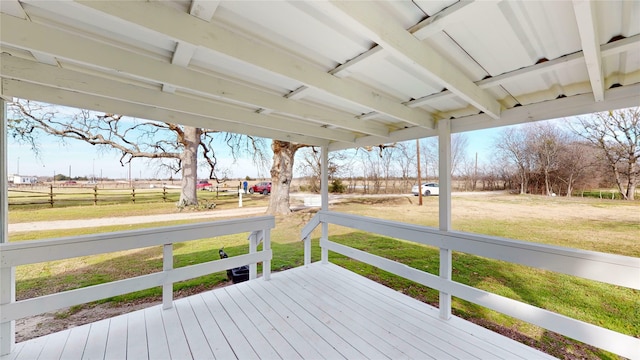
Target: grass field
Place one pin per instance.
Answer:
(591, 224)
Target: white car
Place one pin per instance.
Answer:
(427, 189)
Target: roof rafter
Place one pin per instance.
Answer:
(609, 49)
(79, 49)
(55, 77)
(79, 100)
(585, 17)
(424, 29)
(184, 27)
(373, 21)
(617, 98)
(181, 57)
(203, 9)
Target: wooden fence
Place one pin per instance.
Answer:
(61, 196)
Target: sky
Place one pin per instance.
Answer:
(78, 159)
(75, 158)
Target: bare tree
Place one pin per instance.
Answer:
(546, 143)
(429, 157)
(512, 146)
(617, 134)
(429, 154)
(406, 158)
(459, 145)
(133, 138)
(310, 166)
(576, 161)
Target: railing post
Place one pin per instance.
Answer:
(444, 153)
(167, 265)
(307, 250)
(7, 295)
(266, 264)
(253, 247)
(7, 274)
(324, 190)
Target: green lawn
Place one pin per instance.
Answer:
(593, 224)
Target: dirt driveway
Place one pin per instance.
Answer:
(128, 220)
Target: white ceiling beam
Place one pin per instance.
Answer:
(183, 27)
(450, 15)
(373, 21)
(63, 97)
(615, 98)
(79, 49)
(183, 54)
(181, 57)
(342, 70)
(203, 9)
(55, 77)
(586, 18)
(613, 48)
(396, 136)
(298, 93)
(44, 58)
(13, 8)
(369, 116)
(424, 29)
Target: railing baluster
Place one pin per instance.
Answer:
(307, 250)
(254, 239)
(167, 265)
(7, 295)
(266, 264)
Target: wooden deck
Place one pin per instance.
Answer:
(315, 312)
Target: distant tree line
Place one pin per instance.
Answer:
(601, 150)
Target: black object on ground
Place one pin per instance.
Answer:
(238, 274)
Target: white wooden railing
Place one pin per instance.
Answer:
(30, 252)
(608, 268)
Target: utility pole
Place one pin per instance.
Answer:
(475, 174)
(419, 175)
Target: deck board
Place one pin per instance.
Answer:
(315, 312)
(156, 338)
(435, 337)
(97, 340)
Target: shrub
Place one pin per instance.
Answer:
(337, 186)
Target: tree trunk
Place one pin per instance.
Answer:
(281, 176)
(570, 186)
(189, 160)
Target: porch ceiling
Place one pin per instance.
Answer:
(342, 74)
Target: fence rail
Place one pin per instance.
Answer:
(61, 196)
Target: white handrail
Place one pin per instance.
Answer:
(29, 252)
(609, 268)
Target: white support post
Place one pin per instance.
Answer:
(7, 274)
(266, 264)
(167, 287)
(444, 170)
(253, 248)
(324, 190)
